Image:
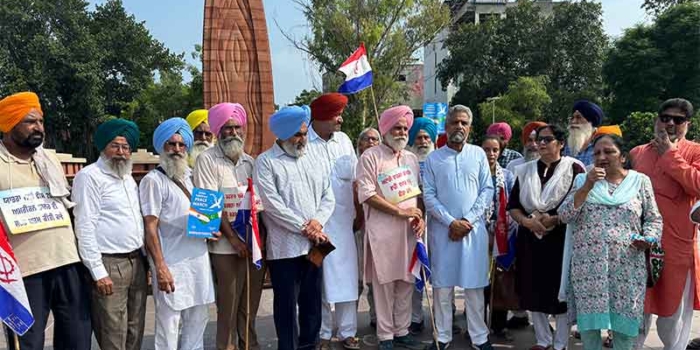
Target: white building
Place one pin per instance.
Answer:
(461, 11)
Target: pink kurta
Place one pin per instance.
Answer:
(389, 240)
(675, 177)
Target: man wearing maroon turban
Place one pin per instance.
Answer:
(331, 148)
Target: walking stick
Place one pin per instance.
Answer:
(247, 289)
(430, 308)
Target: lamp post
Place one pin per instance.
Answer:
(493, 107)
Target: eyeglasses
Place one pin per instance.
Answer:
(546, 139)
(176, 144)
(202, 134)
(665, 118)
(370, 139)
(120, 146)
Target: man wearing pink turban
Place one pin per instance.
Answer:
(503, 131)
(224, 167)
(387, 177)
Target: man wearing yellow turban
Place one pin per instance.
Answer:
(43, 240)
(198, 121)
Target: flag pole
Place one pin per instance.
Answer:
(430, 308)
(16, 341)
(374, 103)
(247, 288)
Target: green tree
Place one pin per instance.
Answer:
(46, 47)
(392, 30)
(525, 100)
(86, 67)
(567, 47)
(652, 63)
(305, 97)
(130, 54)
(656, 7)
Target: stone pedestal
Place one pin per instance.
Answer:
(237, 65)
(144, 162)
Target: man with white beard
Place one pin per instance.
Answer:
(530, 146)
(109, 229)
(298, 199)
(180, 267)
(422, 137)
(226, 166)
(198, 121)
(421, 141)
(392, 224)
(585, 118)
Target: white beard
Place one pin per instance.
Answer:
(174, 164)
(121, 167)
(232, 147)
(578, 136)
(422, 152)
(295, 150)
(396, 143)
(198, 148)
(530, 155)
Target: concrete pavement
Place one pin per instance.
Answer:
(266, 330)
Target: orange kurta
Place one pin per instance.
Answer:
(675, 176)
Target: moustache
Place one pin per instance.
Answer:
(176, 155)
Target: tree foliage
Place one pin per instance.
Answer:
(652, 63)
(87, 66)
(306, 96)
(567, 47)
(657, 7)
(392, 30)
(524, 101)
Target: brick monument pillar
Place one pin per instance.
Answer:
(237, 66)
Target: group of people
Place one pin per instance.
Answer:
(564, 230)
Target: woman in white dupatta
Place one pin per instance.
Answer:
(540, 188)
(613, 218)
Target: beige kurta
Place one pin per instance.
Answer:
(389, 240)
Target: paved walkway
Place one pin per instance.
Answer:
(266, 331)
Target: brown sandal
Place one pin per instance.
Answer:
(352, 343)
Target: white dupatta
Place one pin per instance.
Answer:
(535, 198)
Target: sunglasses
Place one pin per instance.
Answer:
(546, 139)
(665, 118)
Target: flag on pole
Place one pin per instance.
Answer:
(358, 73)
(247, 218)
(14, 305)
(419, 261)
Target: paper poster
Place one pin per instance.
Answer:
(205, 213)
(398, 184)
(236, 198)
(31, 209)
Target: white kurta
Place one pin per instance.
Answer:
(187, 258)
(339, 275)
(458, 186)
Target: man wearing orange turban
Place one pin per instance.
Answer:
(45, 251)
(529, 145)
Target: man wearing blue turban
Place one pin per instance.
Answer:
(298, 199)
(183, 286)
(421, 141)
(422, 137)
(585, 118)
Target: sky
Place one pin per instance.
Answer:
(179, 27)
